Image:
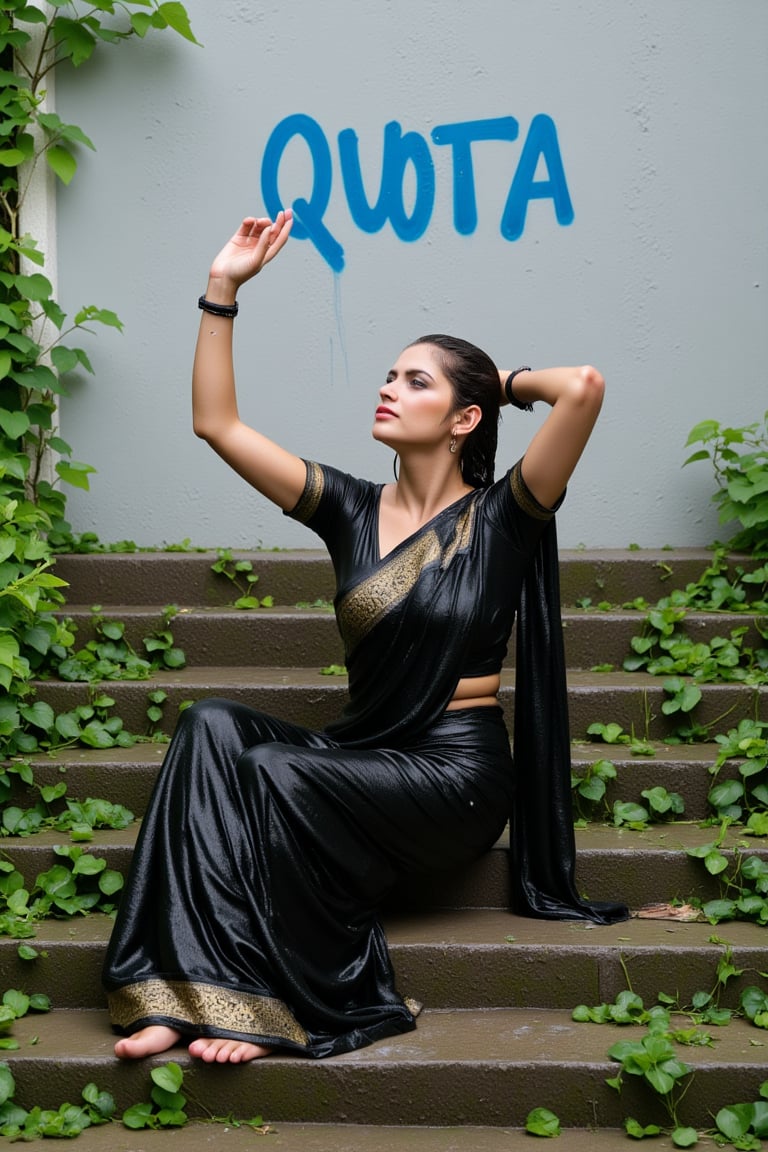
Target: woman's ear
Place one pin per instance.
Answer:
(467, 419)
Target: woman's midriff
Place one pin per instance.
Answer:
(475, 692)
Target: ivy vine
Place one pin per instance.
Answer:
(35, 349)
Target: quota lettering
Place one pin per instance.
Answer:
(540, 149)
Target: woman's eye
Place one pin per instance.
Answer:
(418, 383)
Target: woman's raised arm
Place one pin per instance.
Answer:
(278, 474)
(576, 396)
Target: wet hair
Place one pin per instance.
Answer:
(475, 380)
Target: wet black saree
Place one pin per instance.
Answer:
(251, 908)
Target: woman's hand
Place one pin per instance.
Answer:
(256, 242)
(279, 474)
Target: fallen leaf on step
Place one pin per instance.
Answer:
(669, 912)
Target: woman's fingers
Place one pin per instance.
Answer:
(257, 240)
(279, 233)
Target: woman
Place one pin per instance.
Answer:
(250, 917)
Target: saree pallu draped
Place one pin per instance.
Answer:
(251, 907)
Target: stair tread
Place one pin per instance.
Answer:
(304, 609)
(604, 838)
(197, 1137)
(514, 1037)
(477, 928)
(253, 675)
(192, 608)
(150, 752)
(459, 1067)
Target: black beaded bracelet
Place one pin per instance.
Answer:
(229, 310)
(512, 399)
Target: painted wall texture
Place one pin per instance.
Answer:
(559, 182)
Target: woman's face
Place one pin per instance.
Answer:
(416, 404)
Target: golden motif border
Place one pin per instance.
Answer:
(194, 1004)
(365, 605)
(525, 499)
(310, 497)
(368, 602)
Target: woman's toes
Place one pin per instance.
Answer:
(220, 1051)
(147, 1042)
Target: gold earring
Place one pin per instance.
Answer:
(452, 445)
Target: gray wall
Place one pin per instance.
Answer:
(659, 109)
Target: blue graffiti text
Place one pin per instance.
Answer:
(404, 150)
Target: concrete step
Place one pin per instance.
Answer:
(126, 775)
(470, 958)
(681, 768)
(615, 576)
(286, 635)
(306, 696)
(186, 578)
(459, 1067)
(225, 1137)
(496, 1038)
(612, 864)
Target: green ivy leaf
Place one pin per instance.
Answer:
(95, 735)
(726, 793)
(102, 1102)
(141, 24)
(39, 714)
(94, 315)
(75, 473)
(17, 1001)
(171, 1118)
(64, 360)
(74, 40)
(753, 1000)
(757, 824)
(684, 1137)
(542, 1122)
(61, 161)
(637, 1131)
(715, 862)
(88, 865)
(625, 812)
(14, 424)
(176, 17)
(110, 882)
(717, 910)
(139, 1116)
(67, 726)
(7, 1084)
(169, 1076)
(174, 658)
(11, 157)
(170, 1101)
(734, 1121)
(35, 287)
(54, 125)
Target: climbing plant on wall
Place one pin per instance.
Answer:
(35, 333)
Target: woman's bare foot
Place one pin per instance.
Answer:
(226, 1051)
(154, 1038)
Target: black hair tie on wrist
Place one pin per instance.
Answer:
(512, 399)
(229, 310)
